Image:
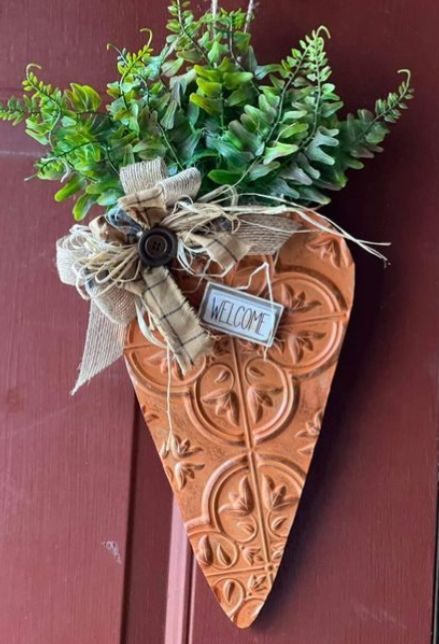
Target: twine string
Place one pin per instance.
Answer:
(102, 261)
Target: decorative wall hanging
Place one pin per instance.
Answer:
(211, 267)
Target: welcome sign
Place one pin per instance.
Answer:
(237, 313)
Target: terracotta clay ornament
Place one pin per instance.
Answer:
(245, 424)
(208, 167)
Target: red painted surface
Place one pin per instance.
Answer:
(78, 476)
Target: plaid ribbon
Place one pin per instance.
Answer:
(173, 316)
(102, 261)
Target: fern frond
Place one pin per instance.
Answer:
(204, 100)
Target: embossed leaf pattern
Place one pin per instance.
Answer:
(204, 551)
(230, 406)
(222, 347)
(301, 341)
(242, 503)
(277, 550)
(210, 553)
(296, 302)
(182, 448)
(278, 523)
(245, 345)
(224, 403)
(157, 358)
(223, 558)
(229, 590)
(311, 431)
(275, 497)
(149, 416)
(255, 372)
(240, 509)
(223, 376)
(160, 358)
(312, 427)
(178, 448)
(307, 450)
(257, 583)
(253, 555)
(185, 471)
(258, 398)
(212, 397)
(247, 527)
(332, 248)
(164, 450)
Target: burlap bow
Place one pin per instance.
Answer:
(102, 261)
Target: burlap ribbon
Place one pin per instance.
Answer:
(102, 261)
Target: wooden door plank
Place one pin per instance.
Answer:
(179, 582)
(64, 463)
(150, 536)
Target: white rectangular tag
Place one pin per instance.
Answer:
(237, 313)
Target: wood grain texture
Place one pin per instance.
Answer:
(358, 568)
(64, 464)
(145, 615)
(67, 465)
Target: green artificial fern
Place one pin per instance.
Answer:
(204, 100)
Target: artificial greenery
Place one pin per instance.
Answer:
(204, 100)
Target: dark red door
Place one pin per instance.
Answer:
(91, 551)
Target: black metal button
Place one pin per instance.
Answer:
(157, 246)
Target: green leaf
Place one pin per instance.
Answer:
(282, 189)
(256, 115)
(209, 74)
(128, 157)
(70, 188)
(241, 96)
(210, 105)
(37, 132)
(169, 116)
(109, 197)
(314, 196)
(279, 150)
(210, 89)
(99, 187)
(204, 100)
(293, 115)
(296, 174)
(232, 80)
(172, 67)
(190, 55)
(376, 134)
(269, 112)
(84, 98)
(247, 139)
(189, 145)
(234, 157)
(264, 70)
(323, 137)
(259, 170)
(293, 130)
(214, 52)
(82, 206)
(225, 177)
